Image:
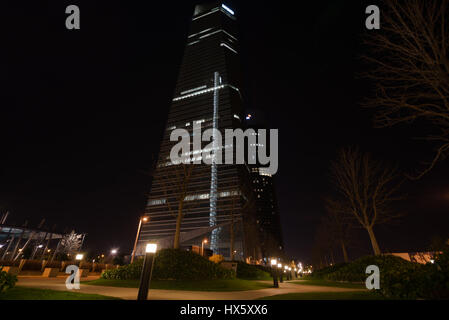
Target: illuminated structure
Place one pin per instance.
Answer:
(267, 212)
(215, 197)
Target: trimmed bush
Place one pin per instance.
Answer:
(355, 271)
(399, 278)
(324, 272)
(32, 265)
(173, 264)
(251, 272)
(7, 281)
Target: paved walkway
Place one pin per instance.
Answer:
(131, 293)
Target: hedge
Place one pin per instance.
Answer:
(7, 281)
(399, 279)
(251, 272)
(173, 264)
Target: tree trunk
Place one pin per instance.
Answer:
(372, 237)
(178, 226)
(232, 238)
(345, 253)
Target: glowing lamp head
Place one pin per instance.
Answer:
(279, 265)
(145, 219)
(274, 262)
(248, 116)
(114, 251)
(79, 256)
(205, 241)
(151, 248)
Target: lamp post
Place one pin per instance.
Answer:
(141, 220)
(280, 272)
(145, 277)
(202, 246)
(274, 273)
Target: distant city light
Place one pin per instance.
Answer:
(227, 9)
(279, 265)
(40, 246)
(79, 256)
(273, 262)
(248, 116)
(432, 261)
(114, 251)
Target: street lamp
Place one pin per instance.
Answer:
(143, 219)
(274, 273)
(145, 277)
(114, 252)
(280, 272)
(202, 246)
(79, 257)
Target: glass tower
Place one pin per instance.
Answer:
(217, 198)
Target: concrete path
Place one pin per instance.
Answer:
(131, 293)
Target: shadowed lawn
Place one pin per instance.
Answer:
(345, 295)
(335, 284)
(190, 285)
(22, 293)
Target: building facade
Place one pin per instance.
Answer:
(215, 200)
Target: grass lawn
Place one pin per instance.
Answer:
(325, 283)
(198, 285)
(347, 295)
(22, 293)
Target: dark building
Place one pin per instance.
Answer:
(267, 212)
(216, 196)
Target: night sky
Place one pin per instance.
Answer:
(82, 113)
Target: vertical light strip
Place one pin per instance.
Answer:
(213, 180)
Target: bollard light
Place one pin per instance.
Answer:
(145, 277)
(151, 248)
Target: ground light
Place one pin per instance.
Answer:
(274, 273)
(145, 277)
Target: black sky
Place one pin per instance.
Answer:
(82, 113)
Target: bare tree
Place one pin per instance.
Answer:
(177, 178)
(367, 188)
(339, 223)
(71, 243)
(409, 66)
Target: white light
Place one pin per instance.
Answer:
(114, 251)
(2, 245)
(40, 246)
(273, 262)
(285, 267)
(279, 265)
(227, 9)
(151, 248)
(432, 261)
(79, 256)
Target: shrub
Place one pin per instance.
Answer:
(53, 264)
(216, 258)
(251, 272)
(173, 264)
(7, 281)
(324, 272)
(32, 265)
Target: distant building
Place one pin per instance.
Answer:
(267, 212)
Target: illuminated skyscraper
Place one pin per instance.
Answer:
(217, 202)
